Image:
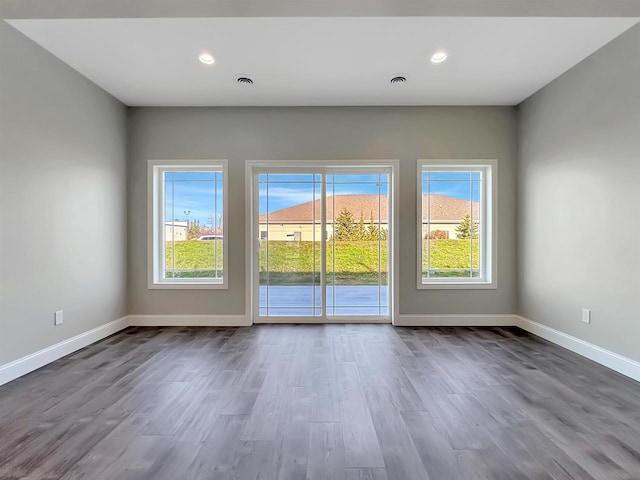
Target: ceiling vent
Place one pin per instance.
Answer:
(244, 80)
(398, 80)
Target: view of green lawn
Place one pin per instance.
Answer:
(194, 258)
(451, 258)
(348, 263)
(293, 262)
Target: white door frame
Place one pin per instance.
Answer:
(252, 234)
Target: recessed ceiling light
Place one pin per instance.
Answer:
(206, 58)
(439, 57)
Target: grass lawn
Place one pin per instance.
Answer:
(360, 257)
(451, 258)
(195, 258)
(292, 263)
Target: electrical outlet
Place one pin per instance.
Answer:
(58, 319)
(586, 315)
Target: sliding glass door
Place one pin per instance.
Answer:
(322, 252)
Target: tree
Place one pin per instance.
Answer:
(345, 226)
(215, 220)
(375, 233)
(467, 229)
(361, 230)
(194, 229)
(372, 230)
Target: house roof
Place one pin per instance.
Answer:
(443, 208)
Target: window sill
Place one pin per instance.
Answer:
(458, 286)
(187, 286)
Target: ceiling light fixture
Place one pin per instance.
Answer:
(206, 58)
(439, 57)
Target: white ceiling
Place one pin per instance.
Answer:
(322, 61)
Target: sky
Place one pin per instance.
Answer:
(193, 196)
(197, 196)
(289, 190)
(464, 185)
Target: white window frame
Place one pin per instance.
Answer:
(156, 227)
(487, 231)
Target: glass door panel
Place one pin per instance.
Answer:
(357, 246)
(290, 244)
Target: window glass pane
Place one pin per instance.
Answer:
(294, 178)
(475, 229)
(357, 247)
(348, 179)
(450, 224)
(290, 230)
(169, 231)
(193, 225)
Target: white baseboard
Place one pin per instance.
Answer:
(189, 321)
(29, 363)
(612, 360)
(497, 320)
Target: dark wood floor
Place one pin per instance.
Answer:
(321, 402)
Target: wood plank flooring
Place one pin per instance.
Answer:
(331, 402)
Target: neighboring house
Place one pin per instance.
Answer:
(296, 223)
(443, 213)
(176, 231)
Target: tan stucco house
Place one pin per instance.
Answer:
(297, 223)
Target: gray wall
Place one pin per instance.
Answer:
(579, 198)
(62, 200)
(405, 133)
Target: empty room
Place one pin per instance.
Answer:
(304, 239)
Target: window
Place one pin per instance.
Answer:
(188, 211)
(455, 223)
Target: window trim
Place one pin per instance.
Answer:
(488, 232)
(156, 230)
